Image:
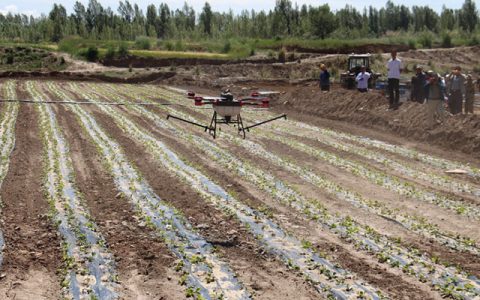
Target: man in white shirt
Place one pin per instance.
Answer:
(394, 67)
(362, 80)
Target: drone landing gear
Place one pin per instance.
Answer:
(264, 122)
(236, 121)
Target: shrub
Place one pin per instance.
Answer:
(122, 50)
(447, 41)
(412, 44)
(426, 40)
(110, 52)
(9, 60)
(281, 55)
(142, 42)
(71, 44)
(252, 52)
(227, 47)
(92, 53)
(179, 46)
(169, 46)
(473, 41)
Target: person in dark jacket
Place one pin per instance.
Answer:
(324, 78)
(456, 90)
(418, 85)
(469, 94)
(435, 92)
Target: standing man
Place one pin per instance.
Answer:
(362, 80)
(469, 95)
(394, 67)
(418, 85)
(456, 90)
(324, 78)
(435, 98)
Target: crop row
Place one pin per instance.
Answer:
(326, 276)
(437, 162)
(89, 267)
(205, 275)
(332, 138)
(415, 223)
(7, 132)
(444, 182)
(409, 260)
(377, 177)
(383, 179)
(405, 188)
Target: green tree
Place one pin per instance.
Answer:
(151, 20)
(284, 11)
(206, 19)
(447, 19)
(79, 17)
(468, 16)
(58, 16)
(163, 23)
(322, 20)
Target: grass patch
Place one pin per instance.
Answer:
(20, 58)
(178, 54)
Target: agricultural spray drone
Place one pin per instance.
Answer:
(227, 109)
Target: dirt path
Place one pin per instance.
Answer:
(32, 253)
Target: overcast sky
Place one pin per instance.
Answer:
(38, 7)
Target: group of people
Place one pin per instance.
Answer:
(457, 89)
(454, 89)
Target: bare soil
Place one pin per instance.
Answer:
(32, 252)
(263, 276)
(144, 263)
(397, 285)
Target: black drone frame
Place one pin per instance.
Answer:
(236, 121)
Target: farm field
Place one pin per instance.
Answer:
(109, 200)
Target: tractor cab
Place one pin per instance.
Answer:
(355, 63)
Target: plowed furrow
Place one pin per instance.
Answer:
(7, 132)
(89, 270)
(275, 239)
(233, 163)
(206, 275)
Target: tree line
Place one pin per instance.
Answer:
(286, 19)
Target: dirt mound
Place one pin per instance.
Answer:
(467, 57)
(149, 62)
(460, 133)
